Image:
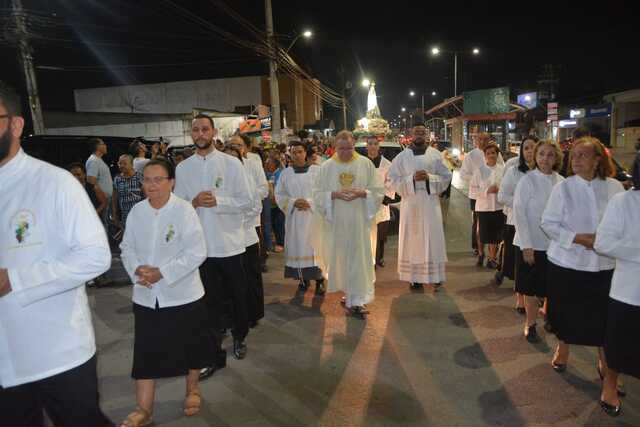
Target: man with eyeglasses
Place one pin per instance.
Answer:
(218, 188)
(51, 243)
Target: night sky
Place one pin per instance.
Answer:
(98, 41)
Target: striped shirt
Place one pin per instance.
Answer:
(129, 193)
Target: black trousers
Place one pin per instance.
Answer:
(474, 225)
(255, 290)
(70, 399)
(225, 278)
(263, 247)
(383, 231)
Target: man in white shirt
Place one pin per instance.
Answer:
(218, 188)
(473, 161)
(98, 172)
(51, 243)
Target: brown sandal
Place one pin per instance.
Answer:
(139, 417)
(192, 403)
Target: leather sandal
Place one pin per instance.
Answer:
(192, 403)
(139, 417)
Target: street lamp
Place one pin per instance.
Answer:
(435, 51)
(307, 34)
(403, 109)
(412, 93)
(366, 82)
(433, 93)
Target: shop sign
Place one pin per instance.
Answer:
(599, 111)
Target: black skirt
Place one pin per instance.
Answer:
(578, 302)
(531, 280)
(622, 339)
(491, 225)
(509, 252)
(170, 341)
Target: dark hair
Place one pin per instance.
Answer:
(164, 163)
(281, 147)
(93, 144)
(134, 147)
(204, 116)
(522, 163)
(297, 144)
(492, 145)
(246, 140)
(235, 150)
(303, 134)
(635, 173)
(11, 100)
(76, 165)
(581, 132)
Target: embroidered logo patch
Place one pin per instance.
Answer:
(22, 224)
(346, 180)
(170, 234)
(218, 182)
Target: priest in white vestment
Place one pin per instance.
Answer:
(419, 176)
(294, 196)
(347, 195)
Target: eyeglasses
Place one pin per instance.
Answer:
(154, 180)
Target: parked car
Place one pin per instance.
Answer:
(61, 150)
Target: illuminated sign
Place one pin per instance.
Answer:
(577, 113)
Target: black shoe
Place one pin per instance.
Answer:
(359, 312)
(239, 349)
(480, 261)
(532, 334)
(206, 372)
(521, 310)
(611, 410)
(437, 286)
(320, 289)
(492, 265)
(558, 367)
(415, 286)
(380, 263)
(498, 278)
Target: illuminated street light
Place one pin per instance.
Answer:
(366, 82)
(433, 93)
(307, 34)
(412, 93)
(435, 51)
(403, 109)
(476, 51)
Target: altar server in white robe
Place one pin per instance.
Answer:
(347, 195)
(379, 234)
(51, 243)
(294, 196)
(419, 175)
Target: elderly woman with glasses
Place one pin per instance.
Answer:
(579, 277)
(162, 249)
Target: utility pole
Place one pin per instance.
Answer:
(455, 74)
(26, 58)
(274, 88)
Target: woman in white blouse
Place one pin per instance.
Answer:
(512, 176)
(162, 248)
(618, 236)
(485, 183)
(529, 202)
(579, 279)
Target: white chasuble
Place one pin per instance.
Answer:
(342, 236)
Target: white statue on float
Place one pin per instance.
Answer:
(372, 123)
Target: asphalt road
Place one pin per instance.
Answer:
(452, 358)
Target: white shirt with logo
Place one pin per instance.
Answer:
(171, 239)
(51, 243)
(225, 176)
